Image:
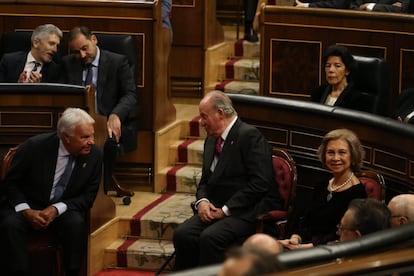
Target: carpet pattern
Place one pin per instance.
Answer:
(149, 242)
(240, 74)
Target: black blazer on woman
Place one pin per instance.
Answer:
(351, 97)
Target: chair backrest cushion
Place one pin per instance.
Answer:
(283, 177)
(405, 104)
(374, 184)
(372, 187)
(371, 77)
(7, 161)
(120, 44)
(15, 41)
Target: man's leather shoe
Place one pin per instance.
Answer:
(251, 36)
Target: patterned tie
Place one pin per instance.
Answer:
(89, 74)
(219, 141)
(64, 179)
(36, 65)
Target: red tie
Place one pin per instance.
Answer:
(219, 141)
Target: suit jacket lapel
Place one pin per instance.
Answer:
(102, 73)
(80, 166)
(209, 151)
(49, 167)
(226, 153)
(76, 71)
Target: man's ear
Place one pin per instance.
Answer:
(35, 43)
(65, 138)
(403, 220)
(94, 39)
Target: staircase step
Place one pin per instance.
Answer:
(182, 178)
(142, 254)
(148, 242)
(246, 49)
(241, 69)
(159, 222)
(239, 87)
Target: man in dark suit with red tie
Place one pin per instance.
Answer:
(39, 199)
(37, 65)
(236, 185)
(115, 92)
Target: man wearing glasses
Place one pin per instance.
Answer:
(363, 216)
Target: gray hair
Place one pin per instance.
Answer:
(42, 31)
(71, 118)
(357, 151)
(221, 101)
(404, 205)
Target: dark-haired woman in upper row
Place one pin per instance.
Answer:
(340, 89)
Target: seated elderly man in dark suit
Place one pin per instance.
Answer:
(236, 185)
(37, 65)
(52, 182)
(115, 96)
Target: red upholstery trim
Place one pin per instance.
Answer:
(283, 178)
(372, 188)
(278, 214)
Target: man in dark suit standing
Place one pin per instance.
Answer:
(51, 183)
(37, 65)
(237, 184)
(115, 95)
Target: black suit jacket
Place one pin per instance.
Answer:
(383, 5)
(116, 91)
(331, 4)
(31, 173)
(12, 65)
(351, 97)
(243, 179)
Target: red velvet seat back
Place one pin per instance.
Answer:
(283, 177)
(374, 184)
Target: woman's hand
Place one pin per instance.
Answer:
(300, 4)
(295, 242)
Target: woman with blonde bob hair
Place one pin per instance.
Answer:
(356, 150)
(341, 153)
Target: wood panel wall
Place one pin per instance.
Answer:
(195, 29)
(141, 20)
(294, 40)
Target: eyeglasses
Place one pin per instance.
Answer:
(341, 228)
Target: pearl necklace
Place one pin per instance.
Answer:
(331, 189)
